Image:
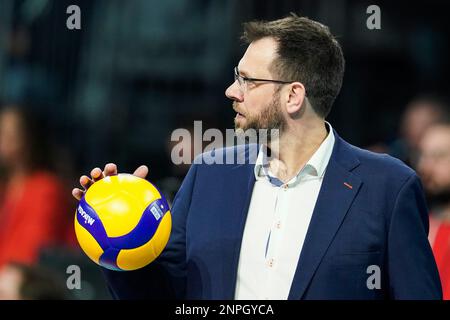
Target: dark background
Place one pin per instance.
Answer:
(138, 69)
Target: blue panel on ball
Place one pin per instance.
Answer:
(145, 229)
(109, 259)
(88, 219)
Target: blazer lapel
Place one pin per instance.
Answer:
(338, 190)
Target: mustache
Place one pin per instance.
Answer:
(235, 108)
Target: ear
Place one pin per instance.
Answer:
(297, 93)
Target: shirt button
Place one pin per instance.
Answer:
(278, 225)
(285, 187)
(270, 263)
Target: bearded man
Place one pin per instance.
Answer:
(317, 219)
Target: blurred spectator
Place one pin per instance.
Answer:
(21, 282)
(420, 114)
(33, 211)
(170, 184)
(185, 148)
(434, 169)
(26, 80)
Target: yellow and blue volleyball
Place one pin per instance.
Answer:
(123, 222)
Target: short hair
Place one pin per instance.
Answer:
(433, 102)
(308, 53)
(36, 135)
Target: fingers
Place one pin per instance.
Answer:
(110, 170)
(141, 172)
(86, 182)
(97, 174)
(77, 193)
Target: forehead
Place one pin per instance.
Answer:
(437, 138)
(258, 57)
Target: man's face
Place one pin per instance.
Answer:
(419, 117)
(434, 161)
(257, 104)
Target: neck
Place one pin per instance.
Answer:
(295, 147)
(446, 212)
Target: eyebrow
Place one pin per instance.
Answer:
(243, 72)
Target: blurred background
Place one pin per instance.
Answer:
(114, 91)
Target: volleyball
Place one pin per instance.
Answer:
(123, 222)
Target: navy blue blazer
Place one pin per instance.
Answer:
(370, 211)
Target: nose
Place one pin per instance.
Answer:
(234, 92)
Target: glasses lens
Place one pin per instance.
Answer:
(237, 77)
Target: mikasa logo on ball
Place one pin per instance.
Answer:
(87, 218)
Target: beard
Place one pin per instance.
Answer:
(271, 118)
(438, 199)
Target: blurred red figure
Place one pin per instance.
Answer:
(440, 243)
(434, 168)
(33, 211)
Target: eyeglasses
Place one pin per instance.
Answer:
(243, 80)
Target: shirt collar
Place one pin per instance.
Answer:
(315, 166)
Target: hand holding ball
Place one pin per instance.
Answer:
(123, 222)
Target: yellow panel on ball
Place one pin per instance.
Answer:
(119, 202)
(132, 259)
(88, 243)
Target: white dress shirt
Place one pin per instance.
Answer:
(277, 221)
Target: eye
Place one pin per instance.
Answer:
(250, 84)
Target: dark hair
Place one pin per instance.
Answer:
(434, 102)
(40, 284)
(35, 130)
(308, 53)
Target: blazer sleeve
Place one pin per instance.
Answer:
(412, 270)
(165, 277)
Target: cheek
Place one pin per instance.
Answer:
(256, 101)
(442, 173)
(9, 145)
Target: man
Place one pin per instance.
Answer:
(420, 114)
(434, 169)
(320, 220)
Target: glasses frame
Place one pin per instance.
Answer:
(241, 79)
